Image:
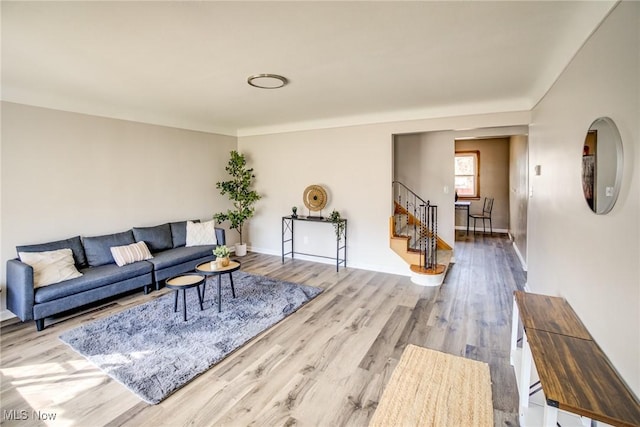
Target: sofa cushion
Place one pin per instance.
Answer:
(98, 248)
(73, 243)
(201, 233)
(50, 266)
(129, 254)
(93, 277)
(179, 232)
(179, 255)
(157, 238)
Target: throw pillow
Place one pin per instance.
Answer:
(179, 232)
(73, 243)
(203, 233)
(98, 248)
(157, 238)
(50, 267)
(129, 254)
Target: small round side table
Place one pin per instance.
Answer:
(209, 269)
(184, 282)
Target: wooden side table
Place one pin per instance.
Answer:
(575, 374)
(182, 283)
(209, 269)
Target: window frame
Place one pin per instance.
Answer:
(476, 155)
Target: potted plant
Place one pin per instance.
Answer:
(241, 195)
(338, 222)
(222, 255)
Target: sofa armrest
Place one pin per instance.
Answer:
(220, 236)
(20, 290)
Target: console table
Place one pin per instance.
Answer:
(288, 233)
(575, 374)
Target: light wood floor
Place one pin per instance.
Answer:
(325, 365)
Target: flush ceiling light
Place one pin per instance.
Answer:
(267, 81)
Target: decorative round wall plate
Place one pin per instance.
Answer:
(314, 197)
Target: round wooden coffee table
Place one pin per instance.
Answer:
(184, 282)
(209, 269)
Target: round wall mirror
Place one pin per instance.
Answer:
(602, 165)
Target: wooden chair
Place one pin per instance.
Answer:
(485, 215)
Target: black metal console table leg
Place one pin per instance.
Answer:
(287, 227)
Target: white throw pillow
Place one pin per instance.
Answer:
(201, 233)
(50, 267)
(129, 254)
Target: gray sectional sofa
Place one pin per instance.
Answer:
(101, 277)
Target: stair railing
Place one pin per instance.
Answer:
(430, 229)
(418, 219)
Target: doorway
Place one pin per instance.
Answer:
(426, 161)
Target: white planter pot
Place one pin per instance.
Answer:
(241, 249)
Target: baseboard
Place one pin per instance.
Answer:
(479, 230)
(6, 315)
(520, 257)
(403, 271)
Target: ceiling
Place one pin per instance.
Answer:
(185, 64)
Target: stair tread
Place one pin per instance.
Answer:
(404, 247)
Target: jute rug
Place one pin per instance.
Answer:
(430, 388)
(153, 352)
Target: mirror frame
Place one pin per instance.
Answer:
(614, 144)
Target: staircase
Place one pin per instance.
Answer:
(413, 235)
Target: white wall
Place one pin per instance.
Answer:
(592, 260)
(519, 194)
(424, 162)
(494, 180)
(67, 174)
(355, 164)
(407, 160)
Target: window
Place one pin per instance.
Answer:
(467, 175)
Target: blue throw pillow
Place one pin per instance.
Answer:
(179, 233)
(98, 248)
(157, 238)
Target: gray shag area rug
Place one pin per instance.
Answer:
(153, 352)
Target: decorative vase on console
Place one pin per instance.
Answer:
(295, 212)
